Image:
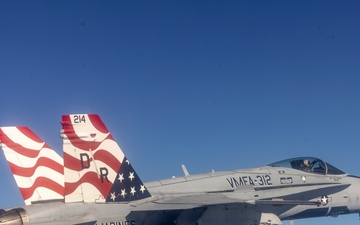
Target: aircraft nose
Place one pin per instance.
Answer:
(14, 217)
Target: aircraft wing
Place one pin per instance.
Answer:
(315, 195)
(184, 202)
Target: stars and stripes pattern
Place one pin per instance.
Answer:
(37, 169)
(127, 186)
(94, 162)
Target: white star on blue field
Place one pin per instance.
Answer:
(214, 85)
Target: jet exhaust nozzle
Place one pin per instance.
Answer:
(17, 216)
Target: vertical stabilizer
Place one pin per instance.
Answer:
(96, 170)
(37, 169)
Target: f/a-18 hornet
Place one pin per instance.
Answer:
(95, 183)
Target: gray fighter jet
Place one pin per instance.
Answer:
(101, 187)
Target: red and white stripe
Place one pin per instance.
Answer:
(87, 134)
(37, 169)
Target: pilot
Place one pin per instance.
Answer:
(307, 165)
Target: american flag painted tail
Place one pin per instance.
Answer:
(95, 168)
(37, 169)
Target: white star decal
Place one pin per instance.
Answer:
(131, 177)
(128, 162)
(324, 200)
(113, 196)
(121, 177)
(123, 193)
(133, 191)
(142, 188)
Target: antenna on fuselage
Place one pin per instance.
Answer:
(186, 173)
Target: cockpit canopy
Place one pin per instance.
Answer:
(309, 164)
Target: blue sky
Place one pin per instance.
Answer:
(212, 84)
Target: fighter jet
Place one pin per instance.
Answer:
(102, 188)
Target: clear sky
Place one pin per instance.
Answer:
(212, 84)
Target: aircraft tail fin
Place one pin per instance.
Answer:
(96, 169)
(37, 169)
